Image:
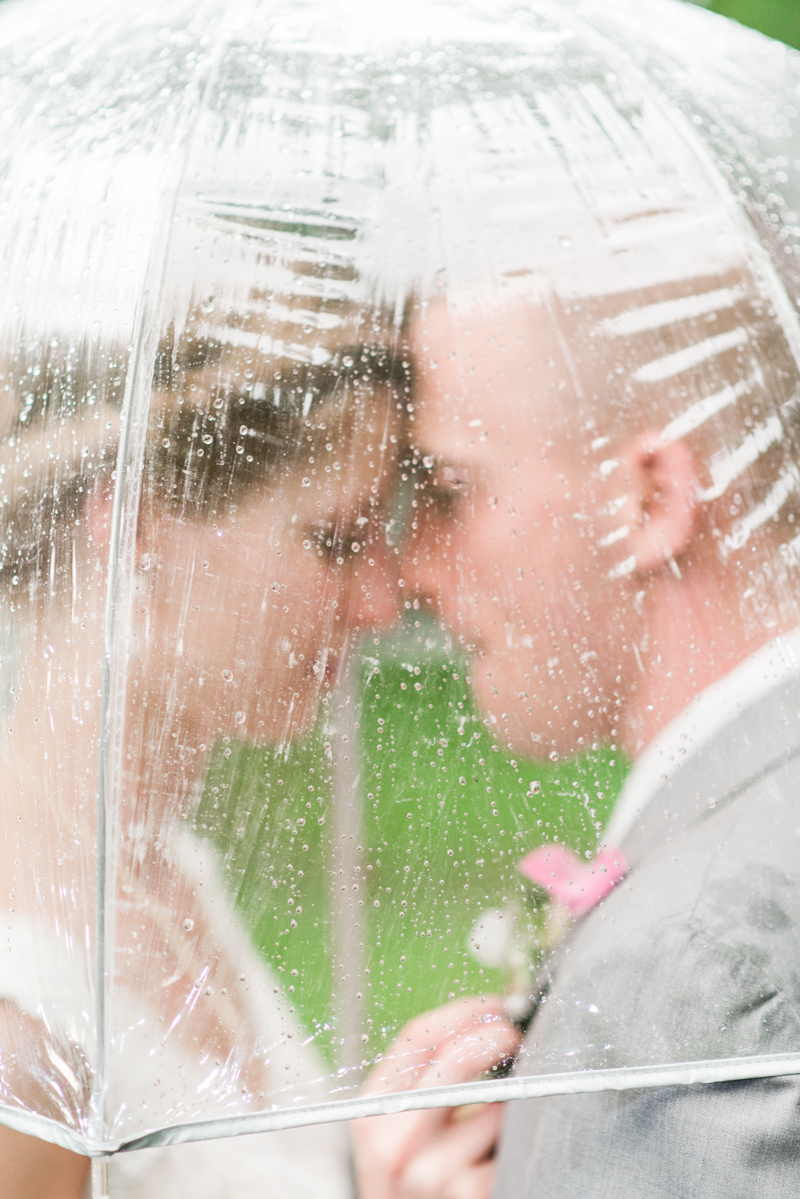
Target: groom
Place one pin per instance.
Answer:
(609, 522)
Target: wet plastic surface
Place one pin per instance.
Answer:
(257, 777)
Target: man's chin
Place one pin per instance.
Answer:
(516, 735)
(520, 727)
(529, 742)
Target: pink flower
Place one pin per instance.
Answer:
(577, 885)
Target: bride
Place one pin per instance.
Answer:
(252, 523)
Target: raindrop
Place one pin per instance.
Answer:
(534, 788)
(306, 482)
(188, 925)
(239, 717)
(227, 675)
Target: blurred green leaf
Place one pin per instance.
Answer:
(777, 18)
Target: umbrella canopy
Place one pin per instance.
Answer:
(268, 272)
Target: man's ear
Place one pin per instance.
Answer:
(662, 500)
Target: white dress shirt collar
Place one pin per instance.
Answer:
(708, 712)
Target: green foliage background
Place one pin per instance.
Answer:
(447, 814)
(777, 18)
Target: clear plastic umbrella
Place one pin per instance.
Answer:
(270, 272)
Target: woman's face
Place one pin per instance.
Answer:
(242, 617)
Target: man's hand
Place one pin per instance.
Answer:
(444, 1153)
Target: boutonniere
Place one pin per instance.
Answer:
(560, 889)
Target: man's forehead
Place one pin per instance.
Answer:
(485, 378)
(483, 340)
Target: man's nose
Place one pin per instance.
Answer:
(426, 566)
(373, 590)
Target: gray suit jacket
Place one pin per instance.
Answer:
(695, 955)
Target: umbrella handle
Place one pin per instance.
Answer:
(100, 1189)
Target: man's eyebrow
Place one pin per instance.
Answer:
(451, 469)
(435, 464)
(444, 472)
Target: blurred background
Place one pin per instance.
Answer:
(777, 18)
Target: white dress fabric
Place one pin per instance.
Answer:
(46, 978)
(295, 1163)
